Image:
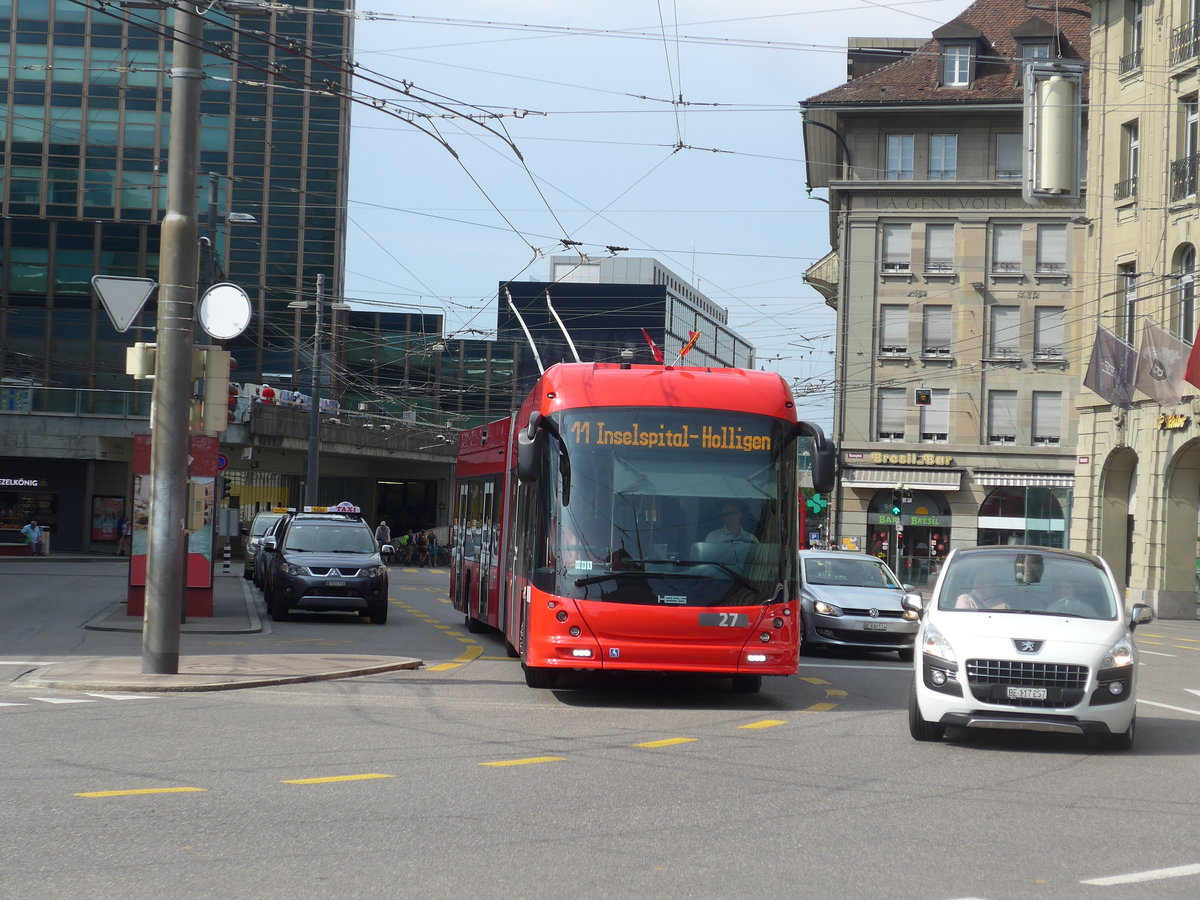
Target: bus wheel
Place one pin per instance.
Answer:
(474, 625)
(747, 684)
(537, 677)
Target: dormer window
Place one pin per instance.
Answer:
(956, 65)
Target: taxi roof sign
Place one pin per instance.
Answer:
(343, 507)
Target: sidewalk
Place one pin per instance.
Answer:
(236, 610)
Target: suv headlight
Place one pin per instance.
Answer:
(375, 571)
(1118, 655)
(935, 644)
(293, 569)
(822, 608)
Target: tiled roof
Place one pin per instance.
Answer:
(915, 79)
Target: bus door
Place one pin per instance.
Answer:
(487, 550)
(458, 588)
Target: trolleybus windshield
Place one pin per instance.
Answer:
(671, 507)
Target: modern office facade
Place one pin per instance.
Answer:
(1138, 472)
(604, 305)
(957, 295)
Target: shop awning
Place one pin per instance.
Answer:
(1024, 479)
(874, 479)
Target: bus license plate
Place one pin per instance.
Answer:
(335, 584)
(875, 626)
(1026, 693)
(725, 620)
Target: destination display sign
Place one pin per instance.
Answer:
(733, 438)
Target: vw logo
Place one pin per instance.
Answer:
(1024, 646)
(874, 612)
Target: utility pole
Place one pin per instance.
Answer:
(314, 421)
(166, 554)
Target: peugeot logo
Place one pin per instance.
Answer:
(874, 612)
(1024, 646)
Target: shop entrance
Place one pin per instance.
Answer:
(916, 542)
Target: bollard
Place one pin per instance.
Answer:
(228, 553)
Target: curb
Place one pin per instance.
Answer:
(96, 622)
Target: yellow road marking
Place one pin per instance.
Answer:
(178, 790)
(524, 762)
(821, 707)
(814, 680)
(1189, 640)
(469, 654)
(765, 723)
(334, 778)
(834, 692)
(442, 667)
(463, 640)
(669, 742)
(1177, 647)
(1154, 643)
(499, 658)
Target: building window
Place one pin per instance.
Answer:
(1002, 417)
(1009, 157)
(899, 157)
(1183, 170)
(1132, 60)
(1006, 249)
(897, 248)
(939, 248)
(1004, 332)
(1126, 188)
(1185, 38)
(943, 157)
(891, 412)
(937, 330)
(956, 65)
(893, 330)
(1052, 249)
(935, 418)
(1029, 51)
(1049, 332)
(1185, 291)
(1129, 295)
(1047, 418)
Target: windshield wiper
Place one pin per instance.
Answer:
(733, 573)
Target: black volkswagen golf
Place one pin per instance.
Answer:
(324, 561)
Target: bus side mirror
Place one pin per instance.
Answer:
(824, 457)
(529, 449)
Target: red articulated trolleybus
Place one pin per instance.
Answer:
(638, 518)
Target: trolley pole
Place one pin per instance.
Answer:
(166, 554)
(312, 464)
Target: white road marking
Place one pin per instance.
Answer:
(61, 700)
(1149, 875)
(807, 665)
(1192, 712)
(1156, 653)
(26, 662)
(14, 704)
(1192, 691)
(122, 696)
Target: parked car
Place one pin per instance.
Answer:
(324, 561)
(854, 600)
(259, 526)
(1027, 638)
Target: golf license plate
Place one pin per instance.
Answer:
(875, 626)
(335, 584)
(1026, 693)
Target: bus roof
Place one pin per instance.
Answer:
(574, 385)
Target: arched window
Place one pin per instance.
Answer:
(1184, 273)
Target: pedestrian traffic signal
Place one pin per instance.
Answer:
(896, 502)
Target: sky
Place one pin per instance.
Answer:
(527, 124)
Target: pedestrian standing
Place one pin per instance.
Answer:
(383, 535)
(124, 534)
(32, 533)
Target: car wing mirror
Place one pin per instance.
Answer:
(387, 548)
(269, 544)
(1141, 614)
(824, 456)
(913, 602)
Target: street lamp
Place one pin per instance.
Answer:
(314, 421)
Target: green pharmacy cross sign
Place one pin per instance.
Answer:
(817, 504)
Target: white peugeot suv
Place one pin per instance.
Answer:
(1027, 638)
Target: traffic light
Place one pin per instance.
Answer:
(906, 495)
(896, 502)
(213, 364)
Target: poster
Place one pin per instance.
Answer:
(106, 516)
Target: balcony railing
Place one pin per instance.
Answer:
(1185, 42)
(44, 401)
(1130, 62)
(1183, 177)
(1125, 190)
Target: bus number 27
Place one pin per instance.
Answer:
(725, 620)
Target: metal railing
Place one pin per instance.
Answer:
(1125, 190)
(1183, 177)
(47, 401)
(1185, 42)
(1130, 62)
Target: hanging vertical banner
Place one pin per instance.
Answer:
(1192, 373)
(1161, 363)
(1112, 368)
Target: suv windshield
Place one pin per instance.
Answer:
(848, 572)
(689, 507)
(1027, 581)
(324, 537)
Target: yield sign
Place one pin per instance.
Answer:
(123, 298)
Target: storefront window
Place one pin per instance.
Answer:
(1025, 515)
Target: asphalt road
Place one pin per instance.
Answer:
(457, 780)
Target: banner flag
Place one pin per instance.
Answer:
(654, 348)
(1192, 373)
(693, 336)
(1161, 362)
(1111, 370)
